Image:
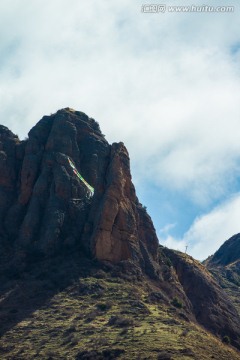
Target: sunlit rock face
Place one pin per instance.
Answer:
(46, 208)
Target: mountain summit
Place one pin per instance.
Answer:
(46, 208)
(72, 234)
(228, 253)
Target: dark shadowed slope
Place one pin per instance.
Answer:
(225, 266)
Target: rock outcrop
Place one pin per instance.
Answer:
(11, 151)
(46, 208)
(46, 211)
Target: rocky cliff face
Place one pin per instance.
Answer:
(46, 211)
(45, 208)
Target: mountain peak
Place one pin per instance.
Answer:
(67, 199)
(228, 253)
(49, 208)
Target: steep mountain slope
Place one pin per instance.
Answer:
(206, 296)
(225, 267)
(71, 308)
(65, 251)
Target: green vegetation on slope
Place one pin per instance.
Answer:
(98, 316)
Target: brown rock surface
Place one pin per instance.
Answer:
(211, 306)
(48, 210)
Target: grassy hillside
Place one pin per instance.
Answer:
(70, 312)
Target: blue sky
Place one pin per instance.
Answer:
(167, 85)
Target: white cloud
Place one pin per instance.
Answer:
(209, 231)
(167, 228)
(173, 243)
(167, 85)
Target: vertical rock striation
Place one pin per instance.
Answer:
(45, 208)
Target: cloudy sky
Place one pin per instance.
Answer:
(166, 84)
